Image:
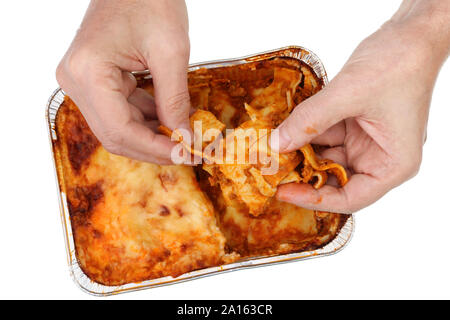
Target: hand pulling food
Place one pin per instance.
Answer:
(133, 220)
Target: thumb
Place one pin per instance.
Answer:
(310, 119)
(172, 101)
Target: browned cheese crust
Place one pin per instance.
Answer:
(133, 221)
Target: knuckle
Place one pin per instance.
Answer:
(304, 117)
(112, 136)
(75, 62)
(175, 109)
(113, 148)
(304, 113)
(178, 102)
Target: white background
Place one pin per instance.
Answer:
(401, 245)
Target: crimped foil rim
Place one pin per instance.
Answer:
(86, 284)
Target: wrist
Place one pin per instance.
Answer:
(426, 25)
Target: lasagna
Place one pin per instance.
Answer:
(134, 221)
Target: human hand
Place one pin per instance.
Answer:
(117, 37)
(373, 114)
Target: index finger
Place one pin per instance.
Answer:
(169, 72)
(123, 131)
(118, 124)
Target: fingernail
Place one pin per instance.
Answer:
(279, 139)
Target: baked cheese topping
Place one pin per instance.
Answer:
(133, 221)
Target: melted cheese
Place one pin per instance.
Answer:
(142, 221)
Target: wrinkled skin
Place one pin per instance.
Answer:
(121, 36)
(374, 113)
(372, 116)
